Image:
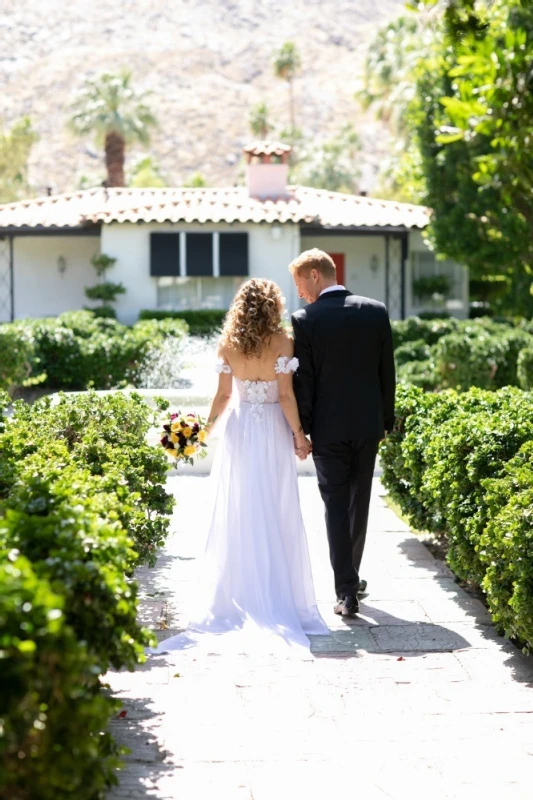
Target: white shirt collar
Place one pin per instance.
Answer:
(337, 288)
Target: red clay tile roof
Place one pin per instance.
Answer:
(302, 204)
(261, 148)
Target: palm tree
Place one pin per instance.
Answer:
(286, 66)
(389, 82)
(259, 121)
(108, 108)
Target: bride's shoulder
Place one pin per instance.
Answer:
(283, 344)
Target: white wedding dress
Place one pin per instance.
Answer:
(255, 592)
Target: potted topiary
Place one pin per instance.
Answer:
(434, 288)
(105, 291)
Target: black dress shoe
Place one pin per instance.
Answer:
(362, 591)
(347, 607)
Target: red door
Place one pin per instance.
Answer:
(338, 258)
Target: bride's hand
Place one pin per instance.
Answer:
(302, 445)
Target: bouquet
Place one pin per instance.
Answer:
(184, 437)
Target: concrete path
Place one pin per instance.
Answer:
(418, 697)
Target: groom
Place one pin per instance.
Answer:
(345, 387)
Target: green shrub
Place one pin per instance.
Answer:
(106, 435)
(525, 368)
(201, 323)
(53, 714)
(79, 490)
(414, 329)
(506, 547)
(417, 350)
(461, 465)
(16, 357)
(464, 361)
(68, 528)
(80, 349)
(419, 373)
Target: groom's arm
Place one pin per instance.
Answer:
(387, 375)
(304, 378)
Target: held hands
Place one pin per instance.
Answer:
(302, 445)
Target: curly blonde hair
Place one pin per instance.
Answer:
(254, 317)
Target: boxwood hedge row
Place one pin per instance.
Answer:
(82, 503)
(448, 353)
(461, 465)
(79, 350)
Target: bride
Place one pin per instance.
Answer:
(255, 589)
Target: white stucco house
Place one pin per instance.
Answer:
(191, 248)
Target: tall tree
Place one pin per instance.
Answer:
(287, 64)
(108, 108)
(260, 121)
(146, 174)
(333, 165)
(389, 89)
(475, 128)
(15, 149)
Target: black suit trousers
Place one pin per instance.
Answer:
(345, 472)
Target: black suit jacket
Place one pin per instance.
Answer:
(345, 383)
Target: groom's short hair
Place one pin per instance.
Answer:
(313, 259)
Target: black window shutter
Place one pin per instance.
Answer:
(164, 254)
(234, 254)
(199, 254)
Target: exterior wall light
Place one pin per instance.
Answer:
(61, 265)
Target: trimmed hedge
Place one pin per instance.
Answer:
(79, 350)
(461, 465)
(201, 323)
(441, 354)
(81, 505)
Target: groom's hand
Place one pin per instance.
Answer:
(302, 447)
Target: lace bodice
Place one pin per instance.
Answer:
(259, 393)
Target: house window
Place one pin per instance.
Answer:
(424, 264)
(178, 294)
(199, 255)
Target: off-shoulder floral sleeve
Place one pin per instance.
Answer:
(221, 366)
(285, 364)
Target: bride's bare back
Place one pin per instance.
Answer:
(259, 368)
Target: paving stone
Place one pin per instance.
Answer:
(397, 703)
(419, 636)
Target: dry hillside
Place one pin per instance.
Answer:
(206, 63)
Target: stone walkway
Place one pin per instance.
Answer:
(418, 697)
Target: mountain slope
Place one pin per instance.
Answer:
(206, 63)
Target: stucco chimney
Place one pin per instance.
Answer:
(267, 169)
